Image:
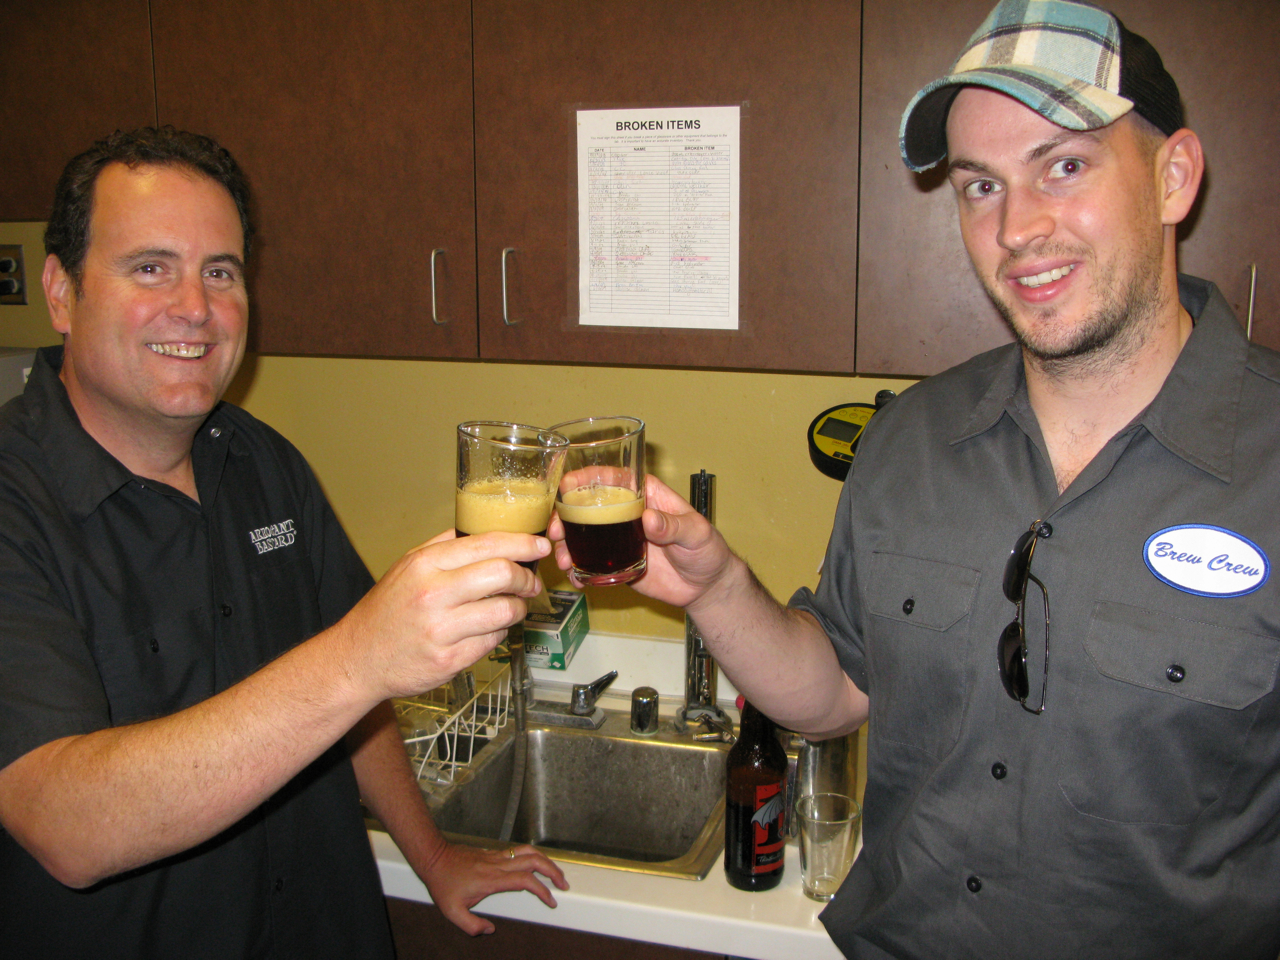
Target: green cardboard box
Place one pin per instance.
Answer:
(551, 639)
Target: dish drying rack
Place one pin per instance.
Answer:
(444, 729)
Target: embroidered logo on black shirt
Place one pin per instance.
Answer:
(266, 539)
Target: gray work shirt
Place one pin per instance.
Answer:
(1137, 816)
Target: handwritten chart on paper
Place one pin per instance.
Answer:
(658, 217)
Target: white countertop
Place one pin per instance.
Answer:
(710, 915)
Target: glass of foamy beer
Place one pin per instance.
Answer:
(507, 478)
(601, 498)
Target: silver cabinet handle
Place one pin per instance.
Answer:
(506, 318)
(1253, 288)
(435, 317)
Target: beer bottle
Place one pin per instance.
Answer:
(755, 804)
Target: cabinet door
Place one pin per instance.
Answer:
(353, 122)
(793, 68)
(72, 71)
(920, 309)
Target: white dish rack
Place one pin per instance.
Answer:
(443, 731)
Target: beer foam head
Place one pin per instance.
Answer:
(599, 504)
(512, 506)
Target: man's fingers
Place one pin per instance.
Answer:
(469, 923)
(489, 617)
(530, 858)
(664, 529)
(555, 529)
(450, 553)
(442, 536)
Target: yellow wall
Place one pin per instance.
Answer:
(380, 435)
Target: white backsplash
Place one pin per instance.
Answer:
(640, 662)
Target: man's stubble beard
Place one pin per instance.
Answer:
(1120, 325)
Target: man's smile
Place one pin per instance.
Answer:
(187, 351)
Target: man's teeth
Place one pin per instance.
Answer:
(1040, 279)
(188, 351)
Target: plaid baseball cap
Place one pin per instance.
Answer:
(1074, 64)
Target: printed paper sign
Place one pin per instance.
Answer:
(658, 217)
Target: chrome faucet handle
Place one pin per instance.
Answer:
(644, 711)
(715, 729)
(584, 696)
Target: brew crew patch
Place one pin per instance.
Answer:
(1206, 560)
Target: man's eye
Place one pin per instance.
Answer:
(977, 189)
(1067, 167)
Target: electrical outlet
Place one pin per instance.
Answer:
(13, 278)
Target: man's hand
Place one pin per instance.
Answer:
(439, 609)
(687, 555)
(462, 876)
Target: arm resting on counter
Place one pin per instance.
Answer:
(457, 876)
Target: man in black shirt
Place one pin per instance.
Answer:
(195, 665)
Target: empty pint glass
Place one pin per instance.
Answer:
(507, 478)
(601, 498)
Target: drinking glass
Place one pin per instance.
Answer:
(507, 478)
(829, 824)
(601, 498)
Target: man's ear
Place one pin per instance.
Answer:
(1179, 168)
(59, 293)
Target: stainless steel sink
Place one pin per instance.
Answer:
(603, 797)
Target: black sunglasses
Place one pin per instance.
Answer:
(1012, 650)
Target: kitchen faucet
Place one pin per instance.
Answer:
(700, 705)
(580, 711)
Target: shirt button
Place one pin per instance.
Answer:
(908, 605)
(974, 884)
(155, 645)
(1175, 673)
(999, 771)
(279, 884)
(226, 609)
(215, 432)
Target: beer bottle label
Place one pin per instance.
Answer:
(767, 828)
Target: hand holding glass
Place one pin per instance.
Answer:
(601, 498)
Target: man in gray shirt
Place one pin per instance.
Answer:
(1109, 787)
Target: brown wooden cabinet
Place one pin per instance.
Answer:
(354, 123)
(378, 131)
(920, 309)
(793, 70)
(71, 71)
(422, 933)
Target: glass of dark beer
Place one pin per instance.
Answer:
(507, 477)
(601, 498)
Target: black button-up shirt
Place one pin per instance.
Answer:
(1139, 815)
(121, 600)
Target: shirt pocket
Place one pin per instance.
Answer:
(1159, 723)
(158, 670)
(916, 656)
